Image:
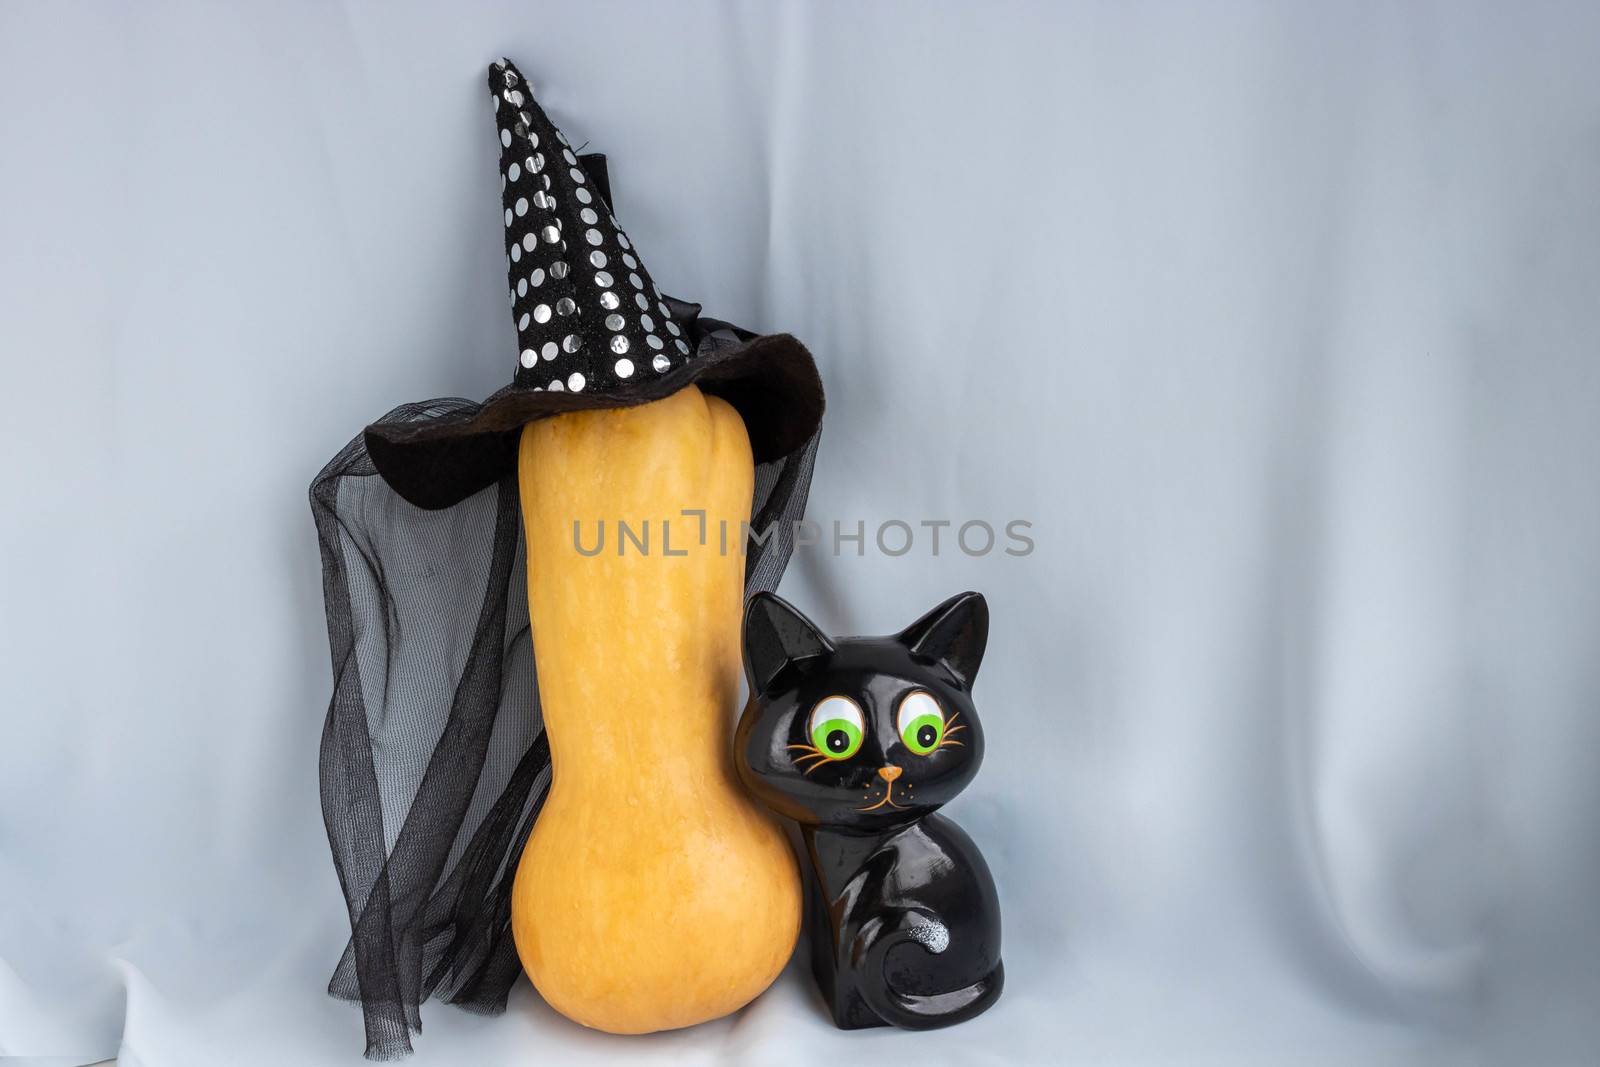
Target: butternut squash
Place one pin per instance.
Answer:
(653, 893)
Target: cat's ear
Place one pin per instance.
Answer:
(775, 635)
(955, 633)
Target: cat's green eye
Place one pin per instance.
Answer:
(920, 722)
(836, 726)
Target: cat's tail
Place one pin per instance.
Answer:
(912, 1011)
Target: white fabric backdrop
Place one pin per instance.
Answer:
(1279, 323)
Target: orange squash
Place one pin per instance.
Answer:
(652, 893)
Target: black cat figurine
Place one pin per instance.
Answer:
(860, 740)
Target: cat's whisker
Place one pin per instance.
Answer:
(805, 748)
(818, 760)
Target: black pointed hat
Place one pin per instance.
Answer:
(593, 329)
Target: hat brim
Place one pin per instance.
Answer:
(771, 380)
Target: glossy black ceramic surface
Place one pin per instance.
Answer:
(860, 741)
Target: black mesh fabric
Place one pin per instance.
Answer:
(434, 761)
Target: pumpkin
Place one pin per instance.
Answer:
(652, 893)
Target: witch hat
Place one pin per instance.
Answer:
(593, 329)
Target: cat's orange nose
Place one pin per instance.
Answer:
(889, 773)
